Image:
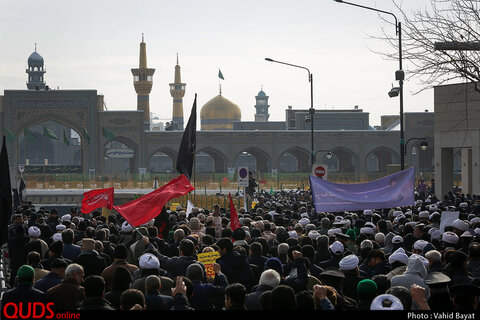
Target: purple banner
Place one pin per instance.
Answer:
(395, 190)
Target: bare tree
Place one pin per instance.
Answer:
(456, 22)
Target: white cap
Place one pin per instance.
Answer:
(126, 227)
(473, 220)
(349, 262)
(477, 231)
(460, 224)
(418, 202)
(367, 212)
(148, 261)
(57, 237)
(398, 256)
(304, 221)
(60, 227)
(366, 243)
(433, 207)
(424, 214)
(397, 213)
(304, 215)
(292, 233)
(34, 231)
(366, 230)
(420, 244)
(463, 205)
(337, 247)
(377, 303)
(435, 234)
(397, 239)
(331, 232)
(313, 234)
(338, 218)
(66, 217)
(450, 237)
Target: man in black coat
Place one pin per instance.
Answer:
(154, 300)
(89, 259)
(54, 277)
(268, 280)
(16, 252)
(24, 292)
(95, 293)
(234, 265)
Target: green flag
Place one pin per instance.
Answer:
(65, 139)
(108, 134)
(86, 136)
(9, 134)
(271, 190)
(49, 133)
(220, 75)
(29, 134)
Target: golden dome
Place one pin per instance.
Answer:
(219, 113)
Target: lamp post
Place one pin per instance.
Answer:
(423, 144)
(399, 75)
(311, 111)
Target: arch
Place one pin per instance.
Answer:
(343, 160)
(218, 158)
(383, 156)
(295, 159)
(120, 165)
(262, 161)
(162, 160)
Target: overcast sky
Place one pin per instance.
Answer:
(94, 44)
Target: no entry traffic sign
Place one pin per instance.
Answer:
(319, 170)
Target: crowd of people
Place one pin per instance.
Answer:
(285, 256)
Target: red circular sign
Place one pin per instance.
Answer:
(320, 171)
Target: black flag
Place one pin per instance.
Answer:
(21, 188)
(186, 152)
(5, 194)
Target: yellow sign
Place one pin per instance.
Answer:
(254, 203)
(208, 259)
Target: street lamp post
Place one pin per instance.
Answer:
(311, 111)
(423, 144)
(399, 75)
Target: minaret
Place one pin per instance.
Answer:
(35, 71)
(177, 90)
(261, 107)
(143, 81)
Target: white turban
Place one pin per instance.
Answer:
(148, 261)
(477, 231)
(424, 214)
(367, 212)
(34, 231)
(126, 227)
(474, 220)
(66, 217)
(397, 239)
(420, 244)
(304, 215)
(349, 262)
(292, 233)
(463, 205)
(313, 234)
(424, 260)
(365, 244)
(460, 224)
(450, 237)
(398, 256)
(337, 247)
(331, 232)
(57, 237)
(396, 213)
(304, 221)
(377, 303)
(366, 230)
(433, 207)
(60, 227)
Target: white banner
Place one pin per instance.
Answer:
(447, 219)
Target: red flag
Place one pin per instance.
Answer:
(98, 198)
(147, 207)
(234, 222)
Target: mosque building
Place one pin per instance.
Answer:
(86, 138)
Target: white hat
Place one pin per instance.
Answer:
(66, 217)
(433, 207)
(349, 262)
(304, 221)
(397, 239)
(337, 247)
(477, 231)
(424, 214)
(460, 224)
(422, 258)
(60, 227)
(428, 200)
(338, 218)
(366, 230)
(420, 244)
(398, 256)
(313, 234)
(126, 227)
(473, 220)
(331, 232)
(366, 243)
(377, 303)
(367, 212)
(304, 215)
(450, 237)
(34, 231)
(418, 202)
(397, 213)
(370, 224)
(463, 205)
(57, 237)
(148, 261)
(292, 233)
(435, 234)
